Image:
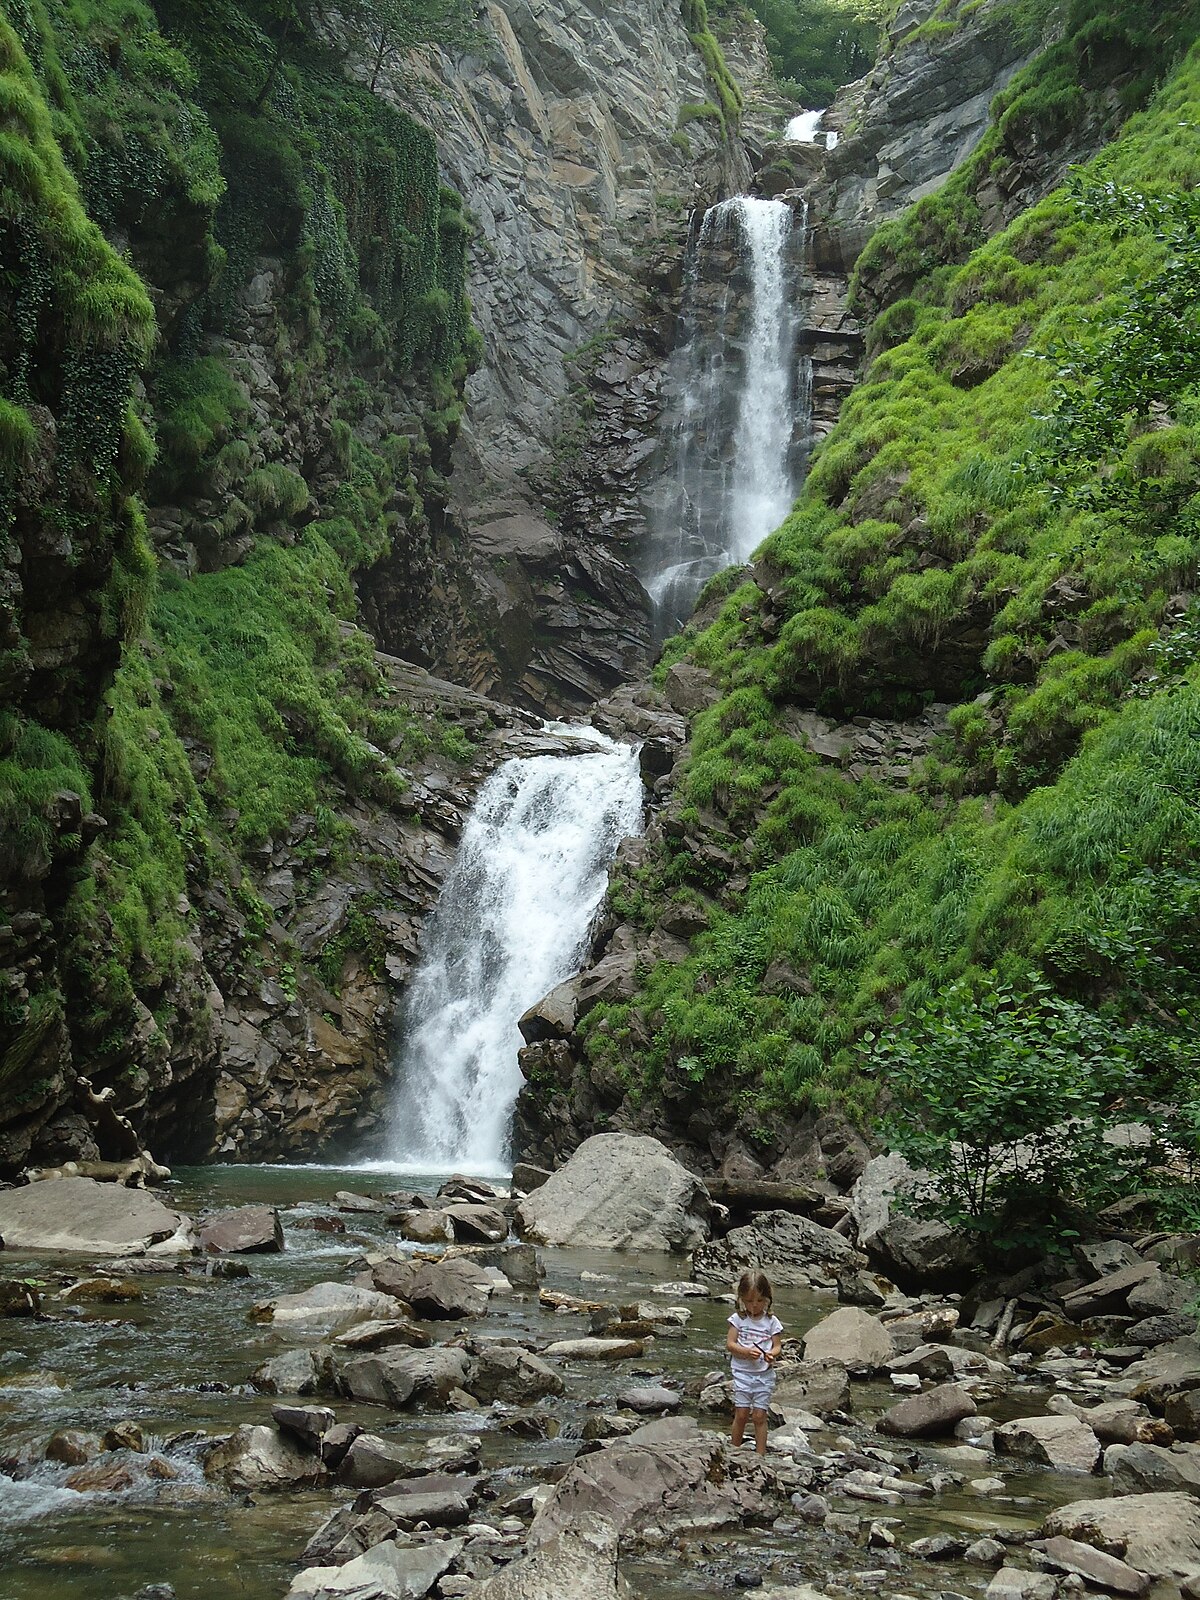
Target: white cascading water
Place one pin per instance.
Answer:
(512, 922)
(806, 129)
(738, 419)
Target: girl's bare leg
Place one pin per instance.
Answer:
(760, 1431)
(740, 1416)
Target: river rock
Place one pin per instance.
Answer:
(427, 1227)
(1013, 1583)
(84, 1216)
(918, 1253)
(379, 1335)
(787, 1246)
(100, 1477)
(256, 1458)
(440, 1290)
(518, 1263)
(1109, 1293)
(73, 1447)
(1158, 1534)
(1096, 1567)
(619, 1191)
(439, 1505)
(472, 1191)
(596, 1349)
(372, 1462)
(308, 1424)
(817, 1386)
(394, 1377)
(1137, 1468)
(928, 1415)
(651, 1401)
(526, 1177)
(388, 1572)
(301, 1372)
(248, 1230)
(855, 1338)
(327, 1308)
(667, 1475)
(581, 1561)
(512, 1375)
(477, 1222)
(1170, 1369)
(1064, 1443)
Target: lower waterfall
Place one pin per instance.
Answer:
(511, 923)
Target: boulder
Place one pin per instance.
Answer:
(1095, 1567)
(918, 1253)
(1158, 1534)
(817, 1386)
(580, 1561)
(301, 1372)
(73, 1447)
(1013, 1583)
(938, 1361)
(855, 1338)
(439, 1290)
(84, 1216)
(248, 1230)
(619, 1191)
(666, 1475)
(379, 1335)
(788, 1247)
(438, 1505)
(387, 1572)
(1108, 1294)
(512, 1375)
(308, 1424)
(427, 1227)
(1171, 1369)
(596, 1349)
(1064, 1443)
(526, 1177)
(472, 1223)
(372, 1462)
(327, 1308)
(1139, 1468)
(394, 1377)
(928, 1415)
(651, 1400)
(256, 1458)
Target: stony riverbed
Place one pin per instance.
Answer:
(132, 1378)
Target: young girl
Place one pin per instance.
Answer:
(753, 1343)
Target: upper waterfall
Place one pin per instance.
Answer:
(738, 407)
(512, 922)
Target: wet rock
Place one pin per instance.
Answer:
(477, 1222)
(788, 1247)
(819, 1386)
(619, 1192)
(439, 1290)
(308, 1424)
(855, 1338)
(394, 1377)
(1011, 1583)
(100, 1477)
(337, 1442)
(650, 1401)
(299, 1372)
(596, 1349)
(83, 1216)
(527, 1177)
(327, 1308)
(73, 1447)
(928, 1415)
(512, 1375)
(253, 1230)
(388, 1572)
(1138, 1468)
(986, 1552)
(19, 1299)
(124, 1436)
(1158, 1534)
(664, 1476)
(379, 1335)
(1095, 1567)
(580, 1561)
(256, 1458)
(1064, 1443)
(427, 1227)
(371, 1462)
(438, 1505)
(104, 1291)
(347, 1200)
(470, 1191)
(518, 1262)
(917, 1253)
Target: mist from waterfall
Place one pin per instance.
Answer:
(739, 402)
(512, 923)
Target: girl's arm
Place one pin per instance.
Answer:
(733, 1339)
(776, 1346)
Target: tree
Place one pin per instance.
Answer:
(390, 27)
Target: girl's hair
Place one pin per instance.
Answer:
(753, 1283)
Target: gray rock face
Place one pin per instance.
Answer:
(619, 1191)
(81, 1215)
(1158, 1534)
(917, 1253)
(787, 1246)
(851, 1336)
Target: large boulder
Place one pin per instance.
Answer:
(1064, 1443)
(248, 1230)
(397, 1375)
(1158, 1534)
(788, 1247)
(917, 1252)
(388, 1572)
(1136, 1468)
(619, 1191)
(81, 1215)
(257, 1457)
(581, 1561)
(928, 1415)
(666, 1475)
(439, 1290)
(508, 1373)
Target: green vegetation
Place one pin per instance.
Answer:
(815, 46)
(1003, 521)
(730, 103)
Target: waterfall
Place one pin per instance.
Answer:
(806, 129)
(511, 923)
(737, 423)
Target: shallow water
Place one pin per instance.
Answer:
(181, 1359)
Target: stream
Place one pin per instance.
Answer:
(177, 1362)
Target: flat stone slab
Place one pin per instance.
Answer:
(81, 1215)
(596, 1349)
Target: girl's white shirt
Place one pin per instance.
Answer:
(757, 1331)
